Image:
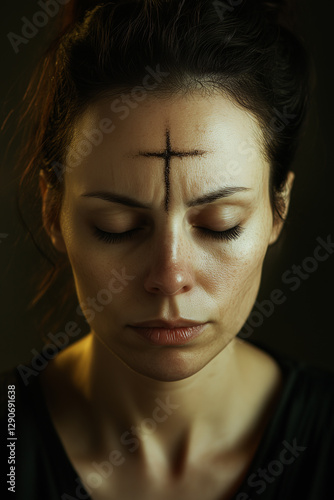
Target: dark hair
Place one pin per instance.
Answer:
(245, 49)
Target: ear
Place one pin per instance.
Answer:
(278, 223)
(53, 229)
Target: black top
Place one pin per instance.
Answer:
(294, 460)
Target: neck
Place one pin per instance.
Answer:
(207, 407)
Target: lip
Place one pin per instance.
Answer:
(163, 323)
(160, 333)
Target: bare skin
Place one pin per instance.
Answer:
(206, 458)
(222, 390)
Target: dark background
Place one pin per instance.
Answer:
(302, 327)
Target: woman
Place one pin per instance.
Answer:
(164, 168)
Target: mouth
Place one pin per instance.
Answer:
(169, 324)
(163, 333)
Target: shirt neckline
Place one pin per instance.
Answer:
(289, 371)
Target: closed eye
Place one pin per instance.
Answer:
(115, 237)
(227, 235)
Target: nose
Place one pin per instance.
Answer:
(171, 265)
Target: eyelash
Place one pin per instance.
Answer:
(228, 235)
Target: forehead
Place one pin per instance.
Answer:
(193, 118)
(229, 136)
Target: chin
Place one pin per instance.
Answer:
(167, 363)
(170, 364)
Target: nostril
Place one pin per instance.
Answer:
(168, 280)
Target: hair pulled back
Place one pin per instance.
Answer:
(245, 49)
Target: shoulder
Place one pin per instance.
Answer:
(307, 397)
(297, 449)
(298, 372)
(312, 391)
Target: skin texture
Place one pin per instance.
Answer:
(223, 387)
(167, 155)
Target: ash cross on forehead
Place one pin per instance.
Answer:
(167, 155)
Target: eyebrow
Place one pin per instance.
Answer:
(132, 202)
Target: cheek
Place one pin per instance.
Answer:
(236, 271)
(96, 278)
(102, 289)
(93, 269)
(237, 276)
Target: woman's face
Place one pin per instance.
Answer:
(174, 264)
